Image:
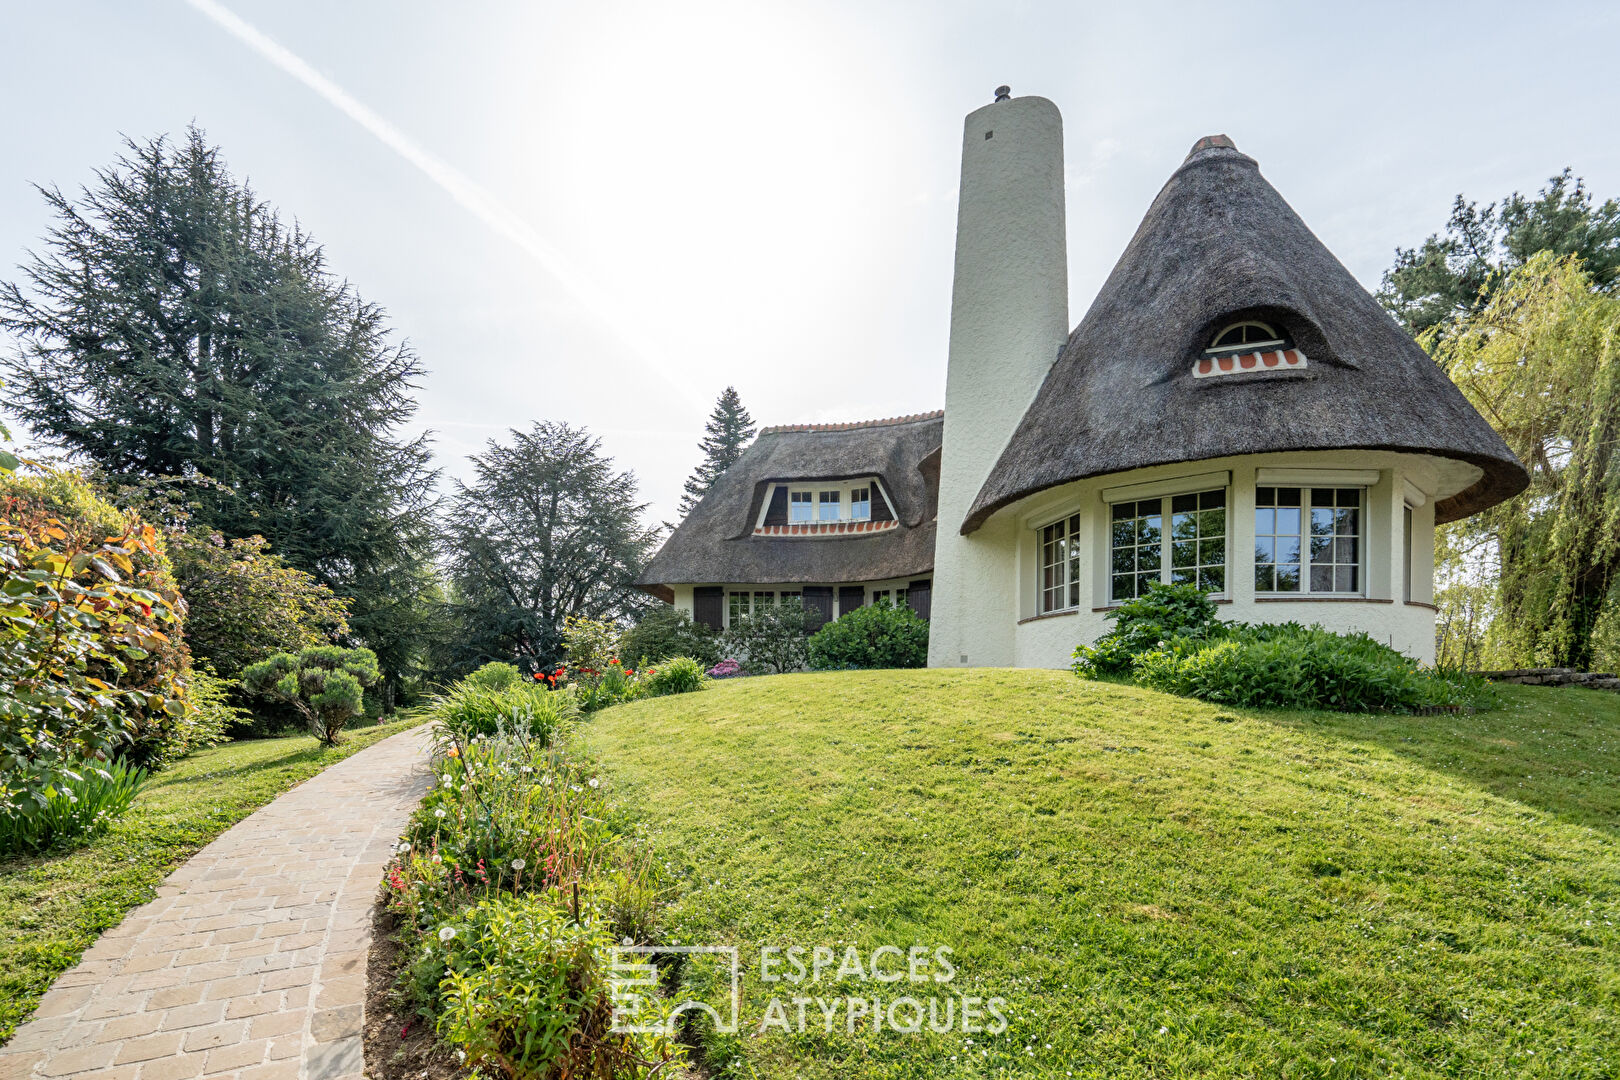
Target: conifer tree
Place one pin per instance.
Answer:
(173, 325)
(727, 434)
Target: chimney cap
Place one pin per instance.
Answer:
(1003, 93)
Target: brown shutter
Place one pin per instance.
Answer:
(880, 506)
(709, 606)
(819, 600)
(851, 597)
(777, 514)
(920, 597)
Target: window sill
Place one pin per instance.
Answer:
(1049, 615)
(1421, 604)
(1319, 599)
(1112, 607)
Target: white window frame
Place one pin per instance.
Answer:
(1167, 540)
(806, 498)
(1306, 505)
(832, 497)
(1219, 350)
(845, 491)
(754, 601)
(1069, 588)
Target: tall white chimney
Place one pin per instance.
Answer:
(1009, 318)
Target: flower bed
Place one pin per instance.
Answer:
(511, 885)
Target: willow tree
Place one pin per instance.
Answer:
(1541, 361)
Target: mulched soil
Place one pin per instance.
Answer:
(399, 1044)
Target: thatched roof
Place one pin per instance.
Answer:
(1217, 245)
(716, 542)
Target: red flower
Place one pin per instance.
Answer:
(538, 676)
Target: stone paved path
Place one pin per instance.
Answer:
(251, 962)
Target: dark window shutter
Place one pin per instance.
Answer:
(880, 505)
(777, 514)
(851, 597)
(709, 606)
(819, 600)
(920, 596)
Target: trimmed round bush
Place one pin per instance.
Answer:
(494, 675)
(875, 636)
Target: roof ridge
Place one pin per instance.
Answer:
(852, 424)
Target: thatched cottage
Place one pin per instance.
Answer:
(1234, 411)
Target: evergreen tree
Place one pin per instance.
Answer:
(547, 529)
(175, 326)
(727, 434)
(1455, 274)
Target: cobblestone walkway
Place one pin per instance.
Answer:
(251, 962)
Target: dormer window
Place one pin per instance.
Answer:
(851, 507)
(1244, 337)
(1247, 347)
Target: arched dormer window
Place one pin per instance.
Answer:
(1244, 337)
(1247, 347)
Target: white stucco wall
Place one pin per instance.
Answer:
(1009, 318)
(1381, 610)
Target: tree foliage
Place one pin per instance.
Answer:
(325, 683)
(773, 639)
(1541, 361)
(547, 529)
(84, 621)
(667, 631)
(1453, 274)
(173, 325)
(247, 604)
(726, 435)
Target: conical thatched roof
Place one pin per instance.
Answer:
(1218, 245)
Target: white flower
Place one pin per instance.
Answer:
(1164, 1031)
(439, 813)
(574, 787)
(404, 847)
(437, 857)
(446, 781)
(595, 782)
(446, 933)
(518, 864)
(629, 941)
(528, 768)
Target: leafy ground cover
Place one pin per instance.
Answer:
(1156, 886)
(54, 906)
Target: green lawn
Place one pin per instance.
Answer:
(53, 907)
(1157, 887)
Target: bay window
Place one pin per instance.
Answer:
(1307, 540)
(1191, 552)
(1060, 564)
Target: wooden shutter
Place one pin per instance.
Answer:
(880, 505)
(709, 606)
(920, 596)
(819, 600)
(777, 513)
(851, 597)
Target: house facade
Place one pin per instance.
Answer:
(1234, 411)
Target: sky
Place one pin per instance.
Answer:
(606, 213)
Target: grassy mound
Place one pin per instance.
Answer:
(1156, 886)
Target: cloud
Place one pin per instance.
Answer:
(461, 188)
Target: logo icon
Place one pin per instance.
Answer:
(633, 981)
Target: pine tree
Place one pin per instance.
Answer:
(174, 326)
(727, 434)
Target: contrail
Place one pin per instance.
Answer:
(467, 194)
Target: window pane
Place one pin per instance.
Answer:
(1143, 581)
(1288, 549)
(1211, 500)
(1344, 522)
(1184, 526)
(1147, 530)
(1124, 534)
(1288, 497)
(1212, 552)
(1265, 521)
(1184, 577)
(1124, 511)
(1122, 587)
(860, 504)
(1344, 578)
(1124, 560)
(1264, 578)
(1321, 549)
(1184, 553)
(1264, 548)
(1149, 557)
(1321, 522)
(1287, 578)
(829, 506)
(1265, 496)
(1321, 579)
(1288, 522)
(1183, 504)
(1212, 578)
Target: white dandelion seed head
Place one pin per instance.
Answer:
(518, 864)
(595, 782)
(439, 813)
(446, 933)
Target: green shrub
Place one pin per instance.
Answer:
(667, 632)
(875, 636)
(1292, 666)
(93, 796)
(325, 683)
(774, 639)
(206, 723)
(526, 992)
(1146, 623)
(591, 645)
(533, 711)
(494, 675)
(677, 675)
